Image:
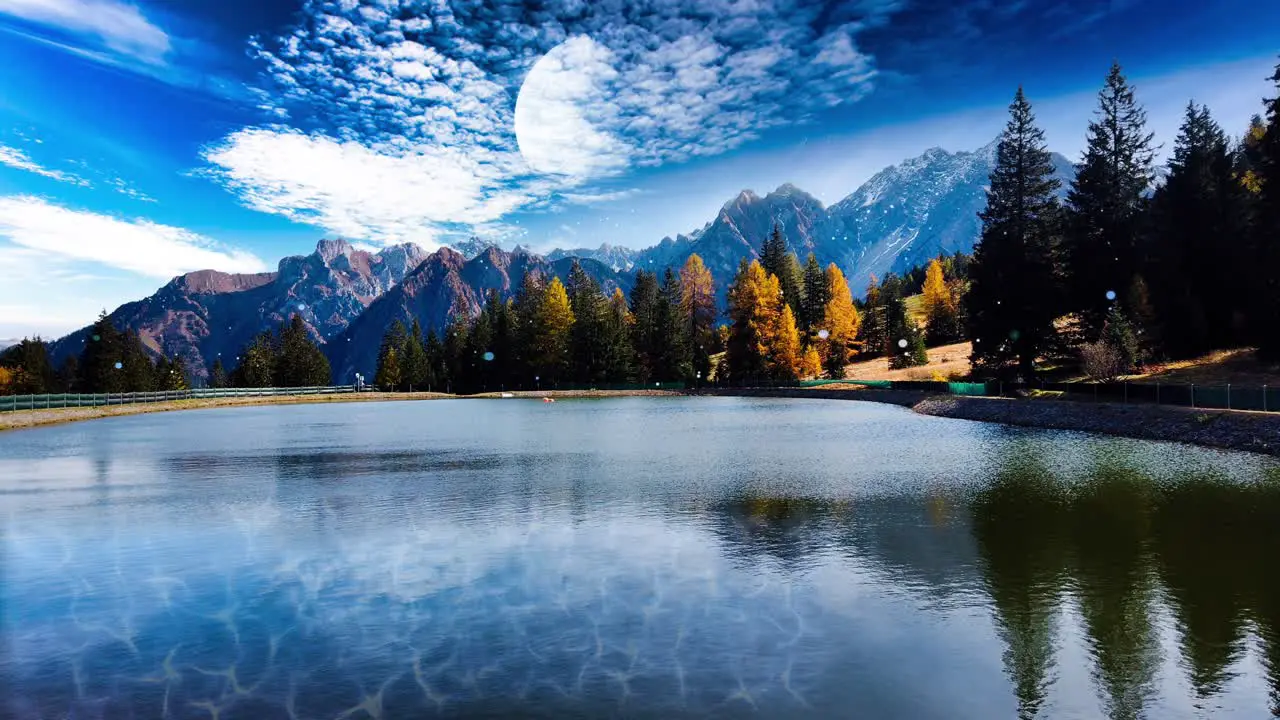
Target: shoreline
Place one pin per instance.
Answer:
(1222, 429)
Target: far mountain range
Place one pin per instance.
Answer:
(900, 218)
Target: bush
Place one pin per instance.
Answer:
(1101, 361)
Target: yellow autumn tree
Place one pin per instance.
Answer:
(783, 343)
(811, 365)
(7, 377)
(549, 340)
(755, 300)
(698, 311)
(841, 321)
(941, 309)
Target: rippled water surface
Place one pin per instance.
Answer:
(646, 557)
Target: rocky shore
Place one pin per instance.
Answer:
(1226, 429)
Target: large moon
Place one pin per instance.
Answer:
(563, 111)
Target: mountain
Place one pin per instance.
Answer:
(620, 259)
(207, 313)
(445, 285)
(472, 246)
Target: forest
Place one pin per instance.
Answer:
(1113, 272)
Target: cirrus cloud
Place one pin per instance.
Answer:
(397, 118)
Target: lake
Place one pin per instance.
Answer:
(631, 557)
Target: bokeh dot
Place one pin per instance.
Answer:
(488, 357)
(902, 343)
(1111, 294)
(119, 366)
(824, 334)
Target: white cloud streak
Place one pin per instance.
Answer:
(410, 118)
(137, 246)
(119, 26)
(19, 160)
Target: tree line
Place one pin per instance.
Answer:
(1118, 274)
(551, 334)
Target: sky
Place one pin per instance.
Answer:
(140, 139)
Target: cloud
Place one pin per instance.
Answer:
(411, 118)
(137, 246)
(19, 160)
(118, 26)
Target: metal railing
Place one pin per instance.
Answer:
(9, 403)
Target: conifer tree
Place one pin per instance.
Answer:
(1106, 202)
(814, 307)
(873, 321)
(300, 363)
(674, 358)
(619, 357)
(644, 328)
(502, 369)
(438, 372)
(389, 374)
(1010, 303)
(785, 356)
(1265, 279)
(136, 366)
(940, 307)
(840, 321)
(698, 306)
(102, 350)
(257, 363)
(811, 365)
(586, 336)
(1199, 231)
(69, 375)
(549, 346)
(169, 374)
(218, 375)
(415, 371)
(31, 371)
(1248, 156)
(455, 357)
(783, 265)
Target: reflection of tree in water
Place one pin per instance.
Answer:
(1212, 542)
(790, 529)
(1110, 526)
(1019, 524)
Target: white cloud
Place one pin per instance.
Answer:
(137, 246)
(399, 128)
(19, 160)
(119, 26)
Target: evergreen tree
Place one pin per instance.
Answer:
(1248, 156)
(940, 307)
(416, 373)
(814, 307)
(698, 306)
(644, 328)
(909, 350)
(1118, 334)
(549, 346)
(168, 375)
(675, 362)
(873, 321)
(438, 372)
(1265, 280)
(1010, 303)
(619, 356)
(69, 375)
(257, 363)
(1106, 202)
(389, 375)
(218, 375)
(454, 354)
(475, 370)
(102, 351)
(502, 369)
(300, 363)
(1199, 231)
(136, 366)
(587, 341)
(31, 371)
(840, 322)
(783, 265)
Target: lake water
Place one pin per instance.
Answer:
(639, 557)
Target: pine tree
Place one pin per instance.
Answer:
(619, 357)
(257, 363)
(1010, 303)
(218, 375)
(169, 375)
(415, 370)
(840, 321)
(501, 370)
(586, 337)
(1118, 334)
(438, 372)
(136, 366)
(389, 375)
(1199, 231)
(475, 370)
(454, 356)
(644, 328)
(776, 261)
(909, 350)
(32, 373)
(940, 307)
(69, 375)
(873, 321)
(552, 321)
(1248, 156)
(675, 362)
(698, 306)
(1265, 248)
(299, 362)
(1106, 203)
(102, 350)
(814, 307)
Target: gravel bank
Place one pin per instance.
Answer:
(34, 418)
(1227, 429)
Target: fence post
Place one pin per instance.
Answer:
(1264, 398)
(1126, 393)
(1193, 395)
(1228, 396)
(1157, 393)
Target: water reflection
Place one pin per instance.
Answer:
(524, 574)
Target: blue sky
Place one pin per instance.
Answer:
(143, 138)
